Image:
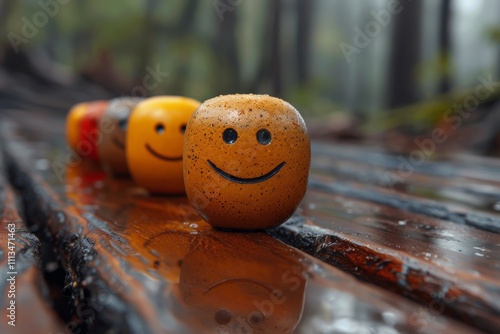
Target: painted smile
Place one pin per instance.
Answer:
(162, 157)
(118, 143)
(240, 280)
(242, 180)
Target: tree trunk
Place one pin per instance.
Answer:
(444, 45)
(146, 50)
(304, 25)
(402, 86)
(6, 7)
(227, 51)
(276, 48)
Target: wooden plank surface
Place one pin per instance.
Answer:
(381, 251)
(435, 248)
(24, 303)
(459, 191)
(142, 264)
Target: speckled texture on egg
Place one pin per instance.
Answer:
(113, 127)
(243, 183)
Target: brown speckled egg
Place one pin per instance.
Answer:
(246, 161)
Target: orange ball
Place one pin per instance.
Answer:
(155, 142)
(246, 162)
(73, 124)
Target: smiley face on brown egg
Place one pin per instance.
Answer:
(246, 161)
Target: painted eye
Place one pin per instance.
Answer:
(123, 124)
(223, 317)
(183, 128)
(230, 135)
(160, 129)
(263, 136)
(256, 319)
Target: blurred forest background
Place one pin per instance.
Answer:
(329, 58)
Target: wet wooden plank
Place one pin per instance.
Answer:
(20, 92)
(449, 266)
(480, 195)
(478, 169)
(24, 302)
(465, 192)
(459, 214)
(432, 237)
(145, 264)
(470, 181)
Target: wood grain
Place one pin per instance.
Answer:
(24, 301)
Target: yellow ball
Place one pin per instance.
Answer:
(155, 140)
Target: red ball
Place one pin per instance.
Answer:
(90, 135)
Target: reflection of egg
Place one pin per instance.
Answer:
(231, 283)
(246, 161)
(155, 140)
(113, 126)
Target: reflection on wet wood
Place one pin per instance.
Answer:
(236, 280)
(24, 298)
(437, 252)
(397, 264)
(445, 190)
(143, 264)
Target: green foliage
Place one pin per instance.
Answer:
(421, 116)
(438, 66)
(493, 34)
(312, 99)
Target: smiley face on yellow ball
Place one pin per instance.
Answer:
(155, 138)
(246, 161)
